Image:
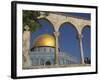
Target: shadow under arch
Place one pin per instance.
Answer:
(86, 41)
(68, 41)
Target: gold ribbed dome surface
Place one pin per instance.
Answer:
(44, 40)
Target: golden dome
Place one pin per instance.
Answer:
(44, 40)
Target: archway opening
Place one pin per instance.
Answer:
(68, 42)
(86, 40)
(46, 28)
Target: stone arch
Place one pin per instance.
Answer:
(76, 45)
(47, 21)
(69, 24)
(85, 27)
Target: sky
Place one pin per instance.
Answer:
(68, 41)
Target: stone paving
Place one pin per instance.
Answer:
(57, 66)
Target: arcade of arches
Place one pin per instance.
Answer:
(57, 20)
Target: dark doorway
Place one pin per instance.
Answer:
(48, 63)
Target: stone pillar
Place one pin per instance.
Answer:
(25, 47)
(81, 48)
(56, 34)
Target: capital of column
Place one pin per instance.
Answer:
(80, 36)
(56, 33)
(26, 28)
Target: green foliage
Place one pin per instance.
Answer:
(30, 19)
(35, 26)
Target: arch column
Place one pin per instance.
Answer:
(81, 49)
(25, 47)
(56, 34)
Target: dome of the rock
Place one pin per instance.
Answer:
(44, 40)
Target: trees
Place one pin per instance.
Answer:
(30, 19)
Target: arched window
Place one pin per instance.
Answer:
(86, 40)
(68, 42)
(41, 61)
